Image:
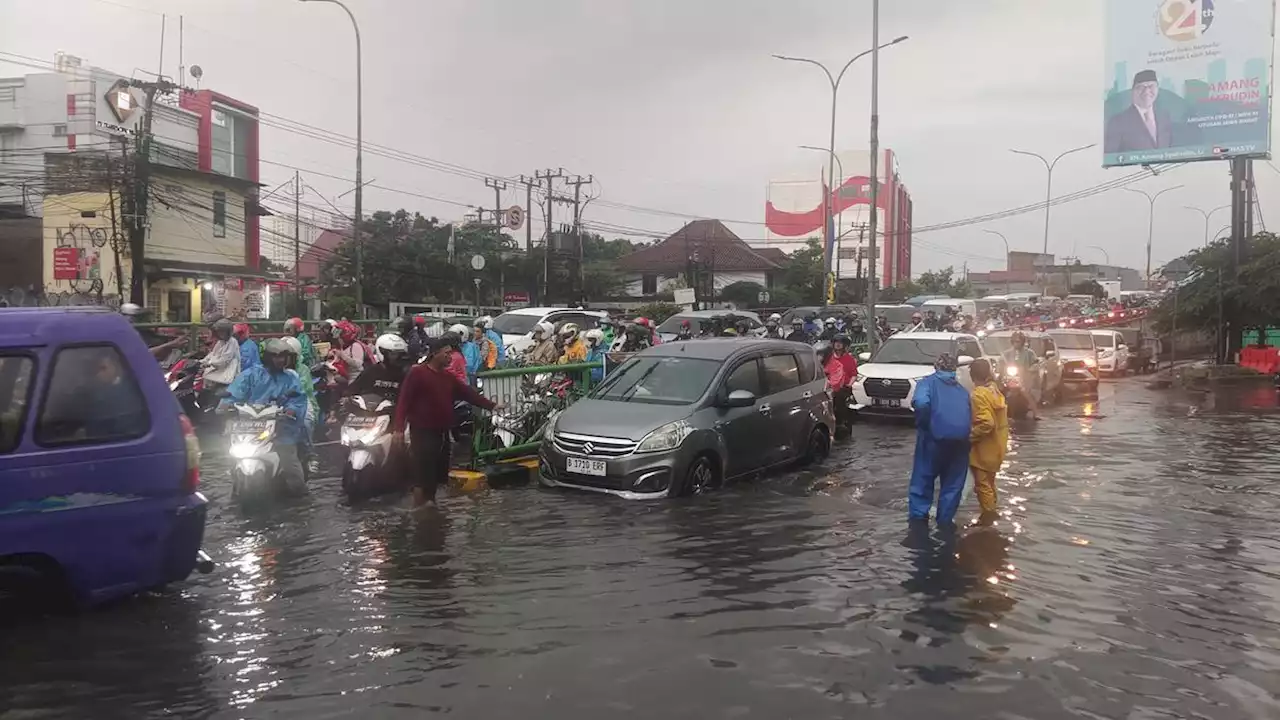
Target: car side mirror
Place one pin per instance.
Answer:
(740, 398)
(1050, 353)
(864, 357)
(964, 360)
(1122, 346)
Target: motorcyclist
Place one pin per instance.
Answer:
(798, 333)
(543, 350)
(268, 383)
(457, 362)
(686, 331)
(647, 324)
(771, 329)
(595, 353)
(855, 328)
(415, 338)
(494, 338)
(635, 338)
(931, 321)
(293, 327)
(1024, 359)
(303, 370)
(575, 350)
(248, 349)
(883, 331)
(829, 329)
(743, 326)
(352, 356)
(811, 324)
(776, 319)
(610, 330)
(222, 363)
(383, 378)
(480, 352)
(917, 321)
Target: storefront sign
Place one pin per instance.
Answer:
(66, 263)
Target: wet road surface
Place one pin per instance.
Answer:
(1135, 574)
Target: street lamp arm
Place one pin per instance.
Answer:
(1072, 150)
(825, 150)
(1175, 187)
(791, 59)
(1202, 212)
(1038, 156)
(865, 53)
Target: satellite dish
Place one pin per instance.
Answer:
(196, 72)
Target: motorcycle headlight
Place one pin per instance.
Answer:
(1011, 371)
(173, 385)
(667, 437)
(242, 449)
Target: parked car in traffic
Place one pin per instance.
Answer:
(1079, 356)
(671, 326)
(516, 326)
(1113, 352)
(887, 381)
(682, 418)
(98, 464)
(1046, 383)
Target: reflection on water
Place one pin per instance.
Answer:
(1130, 573)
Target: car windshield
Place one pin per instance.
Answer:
(904, 350)
(1104, 340)
(1073, 341)
(672, 325)
(659, 380)
(899, 314)
(515, 323)
(998, 343)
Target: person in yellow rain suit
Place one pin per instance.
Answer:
(989, 437)
(575, 350)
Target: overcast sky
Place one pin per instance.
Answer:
(673, 105)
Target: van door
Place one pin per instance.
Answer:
(788, 403)
(743, 429)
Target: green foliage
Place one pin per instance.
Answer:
(943, 282)
(802, 276)
(657, 311)
(1253, 298)
(1088, 287)
(340, 306)
(743, 294)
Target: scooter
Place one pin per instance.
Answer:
(542, 399)
(255, 475)
(1011, 386)
(186, 382)
(366, 433)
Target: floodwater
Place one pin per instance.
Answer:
(1135, 574)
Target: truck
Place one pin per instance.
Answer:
(1112, 288)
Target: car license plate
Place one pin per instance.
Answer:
(882, 402)
(582, 466)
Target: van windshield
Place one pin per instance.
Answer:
(1104, 340)
(1073, 341)
(659, 380)
(514, 324)
(903, 350)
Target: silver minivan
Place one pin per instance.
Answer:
(681, 418)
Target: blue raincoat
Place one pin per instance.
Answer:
(249, 356)
(596, 354)
(943, 422)
(260, 386)
(496, 339)
(471, 353)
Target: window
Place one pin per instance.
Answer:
(17, 375)
(219, 214)
(745, 377)
(808, 367)
(781, 373)
(648, 284)
(659, 380)
(230, 137)
(59, 130)
(92, 397)
(969, 346)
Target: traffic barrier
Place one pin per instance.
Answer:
(1265, 360)
(531, 396)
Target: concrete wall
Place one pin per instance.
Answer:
(182, 227)
(83, 221)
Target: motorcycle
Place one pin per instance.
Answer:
(186, 382)
(366, 433)
(257, 462)
(1011, 386)
(543, 396)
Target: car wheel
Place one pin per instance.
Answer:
(701, 476)
(31, 588)
(818, 447)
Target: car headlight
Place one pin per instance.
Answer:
(667, 437)
(1090, 362)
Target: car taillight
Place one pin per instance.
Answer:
(191, 477)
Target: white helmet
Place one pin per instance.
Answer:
(460, 330)
(569, 331)
(594, 336)
(775, 317)
(130, 309)
(546, 328)
(295, 347)
(487, 320)
(390, 342)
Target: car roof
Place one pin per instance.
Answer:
(28, 326)
(932, 335)
(721, 348)
(1103, 331)
(1068, 331)
(1028, 333)
(541, 311)
(716, 313)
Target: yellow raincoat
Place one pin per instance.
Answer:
(989, 439)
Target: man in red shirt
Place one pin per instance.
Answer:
(425, 407)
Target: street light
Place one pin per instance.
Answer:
(359, 239)
(1207, 215)
(840, 183)
(1006, 257)
(1048, 185)
(835, 87)
(1105, 255)
(1151, 219)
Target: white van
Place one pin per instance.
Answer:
(967, 307)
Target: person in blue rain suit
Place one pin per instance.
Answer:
(595, 353)
(271, 382)
(494, 338)
(943, 423)
(811, 325)
(248, 348)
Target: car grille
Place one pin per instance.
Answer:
(593, 446)
(888, 389)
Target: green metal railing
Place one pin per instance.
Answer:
(198, 332)
(530, 396)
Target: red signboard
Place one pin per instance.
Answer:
(311, 292)
(512, 298)
(66, 263)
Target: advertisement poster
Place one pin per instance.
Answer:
(66, 263)
(1187, 80)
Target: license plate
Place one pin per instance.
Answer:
(251, 426)
(882, 402)
(361, 421)
(183, 392)
(583, 466)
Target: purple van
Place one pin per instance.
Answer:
(98, 465)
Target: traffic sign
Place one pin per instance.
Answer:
(477, 262)
(514, 217)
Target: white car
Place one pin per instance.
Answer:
(516, 326)
(886, 382)
(1113, 353)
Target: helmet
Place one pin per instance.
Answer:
(391, 348)
(275, 346)
(685, 324)
(222, 325)
(797, 321)
(775, 318)
(544, 327)
(293, 324)
(130, 309)
(823, 349)
(829, 321)
(771, 323)
(914, 316)
(420, 320)
(241, 331)
(346, 331)
(1017, 335)
(841, 338)
(644, 322)
(479, 322)
(594, 336)
(454, 339)
(295, 347)
(460, 330)
(569, 331)
(487, 320)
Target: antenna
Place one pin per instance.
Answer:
(160, 70)
(182, 70)
(197, 73)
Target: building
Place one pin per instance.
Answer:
(704, 255)
(794, 213)
(68, 145)
(1037, 272)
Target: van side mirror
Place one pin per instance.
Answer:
(864, 357)
(1050, 353)
(740, 398)
(964, 360)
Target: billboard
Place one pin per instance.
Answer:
(1188, 80)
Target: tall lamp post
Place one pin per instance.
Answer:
(1151, 221)
(835, 263)
(1048, 190)
(1006, 256)
(1207, 215)
(834, 80)
(1105, 255)
(355, 230)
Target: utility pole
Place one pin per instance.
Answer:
(528, 183)
(142, 189)
(550, 176)
(297, 240)
(873, 338)
(498, 186)
(577, 181)
(115, 226)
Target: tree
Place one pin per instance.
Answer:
(802, 275)
(942, 282)
(1088, 287)
(743, 294)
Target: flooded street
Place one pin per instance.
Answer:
(1135, 574)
